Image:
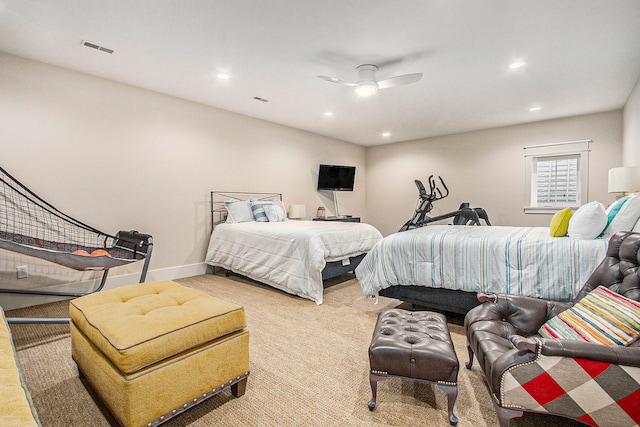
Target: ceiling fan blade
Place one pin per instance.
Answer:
(405, 79)
(334, 80)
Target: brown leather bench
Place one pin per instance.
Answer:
(415, 345)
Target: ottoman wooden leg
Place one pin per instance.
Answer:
(239, 388)
(452, 395)
(373, 380)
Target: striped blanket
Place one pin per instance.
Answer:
(512, 260)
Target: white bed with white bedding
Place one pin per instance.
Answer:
(288, 255)
(513, 260)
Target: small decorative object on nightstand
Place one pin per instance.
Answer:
(321, 213)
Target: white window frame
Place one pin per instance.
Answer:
(573, 149)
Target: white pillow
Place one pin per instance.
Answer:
(588, 221)
(239, 211)
(622, 215)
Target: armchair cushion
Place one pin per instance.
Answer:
(602, 317)
(596, 393)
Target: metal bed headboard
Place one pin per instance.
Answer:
(218, 210)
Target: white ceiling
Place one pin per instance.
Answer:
(582, 56)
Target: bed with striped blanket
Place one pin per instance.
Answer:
(445, 266)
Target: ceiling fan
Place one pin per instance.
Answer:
(367, 84)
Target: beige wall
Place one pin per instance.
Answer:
(484, 168)
(118, 157)
(631, 144)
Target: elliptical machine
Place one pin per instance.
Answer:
(463, 216)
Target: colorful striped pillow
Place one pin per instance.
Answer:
(601, 317)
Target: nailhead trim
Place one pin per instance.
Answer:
(504, 374)
(197, 400)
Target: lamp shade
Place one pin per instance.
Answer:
(297, 211)
(624, 179)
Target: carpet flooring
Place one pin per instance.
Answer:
(309, 367)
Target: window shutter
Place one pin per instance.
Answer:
(557, 182)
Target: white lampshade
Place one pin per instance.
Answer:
(297, 211)
(624, 180)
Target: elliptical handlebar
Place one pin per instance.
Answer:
(434, 188)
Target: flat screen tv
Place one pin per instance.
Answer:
(336, 178)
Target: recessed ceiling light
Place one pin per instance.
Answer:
(328, 113)
(386, 134)
(223, 76)
(535, 108)
(517, 64)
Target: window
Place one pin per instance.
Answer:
(556, 176)
(556, 181)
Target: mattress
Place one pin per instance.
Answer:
(497, 259)
(288, 255)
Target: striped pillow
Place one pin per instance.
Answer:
(259, 215)
(601, 317)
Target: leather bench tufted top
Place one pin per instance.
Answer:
(413, 344)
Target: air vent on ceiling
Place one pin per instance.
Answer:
(95, 46)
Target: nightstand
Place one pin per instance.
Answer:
(341, 219)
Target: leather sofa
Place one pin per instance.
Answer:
(593, 383)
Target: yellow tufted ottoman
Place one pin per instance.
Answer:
(153, 350)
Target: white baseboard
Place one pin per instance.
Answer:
(170, 273)
(12, 301)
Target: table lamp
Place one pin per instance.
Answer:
(297, 211)
(624, 180)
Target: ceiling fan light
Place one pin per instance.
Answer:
(366, 89)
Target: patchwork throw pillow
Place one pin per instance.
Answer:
(560, 223)
(601, 317)
(275, 212)
(588, 221)
(259, 214)
(622, 215)
(239, 211)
